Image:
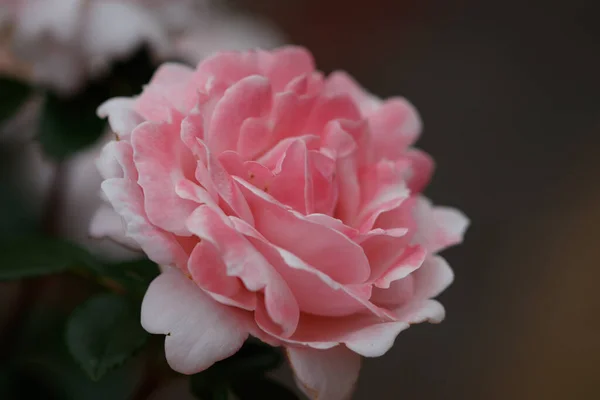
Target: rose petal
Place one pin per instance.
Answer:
(438, 227)
(127, 199)
(432, 278)
(325, 249)
(244, 261)
(325, 374)
(395, 126)
(199, 330)
(210, 273)
(162, 160)
(121, 116)
(248, 98)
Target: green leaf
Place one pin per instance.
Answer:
(37, 256)
(133, 276)
(103, 333)
(262, 388)
(12, 96)
(44, 363)
(70, 125)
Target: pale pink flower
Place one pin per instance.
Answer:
(65, 42)
(281, 204)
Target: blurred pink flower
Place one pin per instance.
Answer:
(66, 42)
(281, 204)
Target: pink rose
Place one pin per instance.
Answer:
(282, 204)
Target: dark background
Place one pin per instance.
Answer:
(509, 95)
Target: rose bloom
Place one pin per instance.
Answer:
(281, 204)
(65, 42)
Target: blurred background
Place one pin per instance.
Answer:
(509, 93)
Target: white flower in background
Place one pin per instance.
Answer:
(67, 41)
(62, 43)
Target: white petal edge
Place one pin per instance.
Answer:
(199, 330)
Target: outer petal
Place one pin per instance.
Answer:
(121, 116)
(325, 374)
(162, 160)
(376, 339)
(106, 223)
(170, 87)
(432, 278)
(395, 126)
(283, 65)
(438, 227)
(339, 82)
(199, 330)
(127, 199)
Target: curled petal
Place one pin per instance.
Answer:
(242, 260)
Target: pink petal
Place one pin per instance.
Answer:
(216, 73)
(273, 157)
(171, 87)
(325, 249)
(328, 109)
(162, 160)
(382, 190)
(199, 330)
(432, 278)
(339, 82)
(210, 273)
(395, 126)
(314, 291)
(248, 98)
(244, 261)
(325, 374)
(420, 171)
(293, 185)
(221, 182)
(283, 65)
(121, 116)
(399, 293)
(411, 259)
(116, 161)
(128, 200)
(382, 250)
(376, 339)
(438, 227)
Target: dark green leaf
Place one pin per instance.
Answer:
(37, 256)
(104, 332)
(12, 96)
(206, 388)
(262, 388)
(44, 361)
(133, 276)
(70, 125)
